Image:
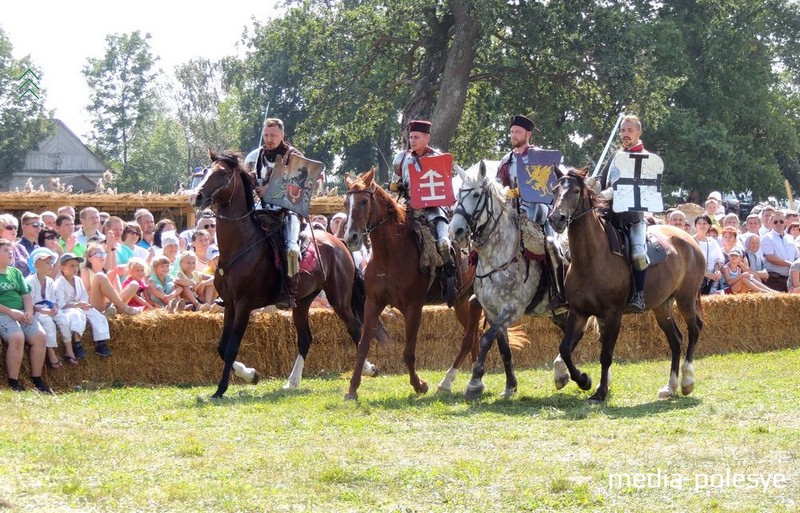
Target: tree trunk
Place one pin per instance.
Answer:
(455, 79)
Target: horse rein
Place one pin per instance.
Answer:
(582, 200)
(214, 199)
(472, 219)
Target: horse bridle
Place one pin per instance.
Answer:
(582, 199)
(472, 219)
(214, 199)
(373, 203)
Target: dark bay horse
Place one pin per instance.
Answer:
(393, 277)
(249, 276)
(598, 283)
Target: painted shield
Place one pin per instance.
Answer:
(431, 183)
(638, 188)
(291, 184)
(535, 174)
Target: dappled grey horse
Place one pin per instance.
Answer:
(506, 282)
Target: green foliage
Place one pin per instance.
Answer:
(122, 96)
(23, 121)
(157, 159)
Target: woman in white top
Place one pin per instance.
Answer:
(712, 252)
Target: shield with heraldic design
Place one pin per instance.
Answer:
(431, 183)
(291, 184)
(535, 174)
(638, 188)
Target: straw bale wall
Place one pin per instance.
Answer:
(164, 349)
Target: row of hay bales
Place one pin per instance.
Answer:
(167, 349)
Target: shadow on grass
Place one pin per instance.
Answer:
(559, 406)
(250, 395)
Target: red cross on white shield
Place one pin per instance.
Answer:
(432, 182)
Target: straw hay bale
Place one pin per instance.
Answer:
(158, 348)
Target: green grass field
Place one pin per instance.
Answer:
(732, 446)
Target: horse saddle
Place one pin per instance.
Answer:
(657, 248)
(271, 223)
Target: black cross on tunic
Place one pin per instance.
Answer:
(637, 181)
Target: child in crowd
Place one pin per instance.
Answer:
(137, 270)
(161, 290)
(18, 326)
(42, 286)
(105, 294)
(73, 300)
(197, 287)
(738, 276)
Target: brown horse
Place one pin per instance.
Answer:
(393, 277)
(249, 277)
(599, 283)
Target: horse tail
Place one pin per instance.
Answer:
(357, 300)
(518, 337)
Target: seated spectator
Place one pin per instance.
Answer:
(66, 209)
(65, 224)
(713, 233)
(48, 239)
(148, 225)
(212, 255)
(730, 220)
(105, 294)
(164, 225)
(90, 227)
(48, 219)
(677, 218)
(793, 230)
(338, 225)
(319, 222)
(711, 251)
(754, 257)
(201, 240)
(73, 299)
(170, 248)
(766, 214)
(18, 325)
(729, 241)
(161, 289)
(41, 262)
(198, 287)
(793, 283)
(751, 225)
(206, 220)
(31, 226)
(738, 278)
(103, 218)
(8, 230)
(137, 273)
(779, 252)
(131, 234)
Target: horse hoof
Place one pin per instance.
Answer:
(585, 382)
(687, 389)
(423, 388)
(596, 399)
(373, 372)
(290, 386)
(351, 396)
(474, 391)
(443, 389)
(508, 393)
(665, 393)
(561, 382)
(256, 378)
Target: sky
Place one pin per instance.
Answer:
(60, 36)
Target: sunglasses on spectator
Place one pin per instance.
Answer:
(777, 221)
(50, 237)
(9, 227)
(35, 225)
(209, 225)
(99, 254)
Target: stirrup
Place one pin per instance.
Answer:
(636, 304)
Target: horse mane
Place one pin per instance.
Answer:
(383, 197)
(234, 160)
(581, 175)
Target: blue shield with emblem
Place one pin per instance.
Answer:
(536, 177)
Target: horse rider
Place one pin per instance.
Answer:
(419, 135)
(630, 132)
(262, 162)
(520, 132)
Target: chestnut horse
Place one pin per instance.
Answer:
(249, 277)
(393, 278)
(598, 283)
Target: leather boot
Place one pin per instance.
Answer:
(636, 304)
(289, 293)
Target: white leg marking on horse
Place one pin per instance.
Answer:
(296, 375)
(244, 372)
(687, 381)
(370, 369)
(561, 373)
(446, 384)
(671, 390)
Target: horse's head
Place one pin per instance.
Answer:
(573, 196)
(473, 207)
(219, 184)
(368, 206)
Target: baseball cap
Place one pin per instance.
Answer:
(66, 257)
(38, 254)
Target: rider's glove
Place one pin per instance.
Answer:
(394, 186)
(607, 194)
(512, 193)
